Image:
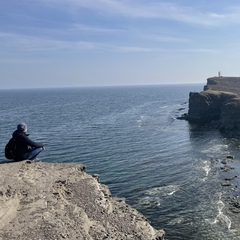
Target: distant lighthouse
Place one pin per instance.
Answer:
(219, 74)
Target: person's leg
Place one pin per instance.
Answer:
(34, 152)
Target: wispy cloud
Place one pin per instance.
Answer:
(29, 43)
(153, 9)
(94, 29)
(132, 49)
(33, 44)
(163, 38)
(129, 49)
(200, 50)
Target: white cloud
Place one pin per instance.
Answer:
(129, 49)
(34, 44)
(29, 43)
(200, 50)
(153, 9)
(93, 29)
(162, 38)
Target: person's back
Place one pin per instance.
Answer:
(25, 147)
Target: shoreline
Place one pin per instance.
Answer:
(229, 202)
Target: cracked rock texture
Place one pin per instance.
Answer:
(218, 105)
(61, 201)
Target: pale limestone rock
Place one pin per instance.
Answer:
(61, 201)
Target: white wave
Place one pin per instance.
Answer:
(148, 200)
(153, 196)
(206, 167)
(142, 121)
(176, 221)
(217, 148)
(221, 218)
(163, 191)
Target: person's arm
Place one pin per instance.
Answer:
(31, 143)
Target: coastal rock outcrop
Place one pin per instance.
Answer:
(218, 104)
(208, 105)
(61, 201)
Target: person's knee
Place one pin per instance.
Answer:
(33, 154)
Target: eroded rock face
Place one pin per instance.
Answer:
(207, 106)
(230, 116)
(218, 104)
(61, 201)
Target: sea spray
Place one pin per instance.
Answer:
(221, 218)
(154, 195)
(207, 168)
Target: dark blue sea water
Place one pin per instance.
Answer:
(167, 169)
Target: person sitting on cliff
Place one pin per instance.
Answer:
(26, 149)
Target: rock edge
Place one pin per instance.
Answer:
(61, 201)
(217, 106)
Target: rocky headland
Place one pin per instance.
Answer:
(218, 105)
(61, 201)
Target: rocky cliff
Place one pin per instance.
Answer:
(61, 201)
(218, 104)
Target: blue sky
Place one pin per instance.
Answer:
(67, 43)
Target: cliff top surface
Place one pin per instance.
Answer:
(61, 201)
(226, 84)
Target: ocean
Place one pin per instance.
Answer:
(169, 170)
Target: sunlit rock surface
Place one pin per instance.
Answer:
(61, 201)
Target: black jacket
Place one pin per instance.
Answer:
(23, 145)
